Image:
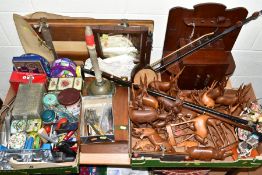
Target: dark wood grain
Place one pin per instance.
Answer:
(212, 62)
(120, 112)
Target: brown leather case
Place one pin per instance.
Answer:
(214, 61)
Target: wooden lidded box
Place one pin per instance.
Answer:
(215, 60)
(68, 36)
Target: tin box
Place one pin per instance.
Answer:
(28, 102)
(31, 63)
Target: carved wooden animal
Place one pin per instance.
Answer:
(207, 153)
(143, 116)
(200, 125)
(159, 85)
(143, 145)
(154, 138)
(170, 105)
(144, 98)
(174, 89)
(159, 124)
(188, 144)
(207, 100)
(235, 98)
(199, 131)
(219, 90)
(149, 100)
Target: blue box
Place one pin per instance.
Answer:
(31, 63)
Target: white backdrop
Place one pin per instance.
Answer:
(247, 50)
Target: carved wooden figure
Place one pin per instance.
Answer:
(143, 97)
(207, 100)
(159, 85)
(143, 116)
(144, 145)
(207, 153)
(154, 138)
(169, 105)
(199, 131)
(174, 89)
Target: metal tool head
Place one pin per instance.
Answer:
(105, 87)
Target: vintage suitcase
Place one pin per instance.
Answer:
(68, 36)
(215, 60)
(153, 141)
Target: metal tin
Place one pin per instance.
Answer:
(31, 63)
(50, 100)
(53, 84)
(48, 116)
(63, 67)
(18, 126)
(70, 98)
(33, 125)
(28, 102)
(17, 141)
(64, 83)
(78, 83)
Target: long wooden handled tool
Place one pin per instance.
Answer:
(241, 123)
(44, 29)
(213, 38)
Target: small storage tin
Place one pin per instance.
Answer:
(28, 101)
(31, 63)
(64, 83)
(63, 67)
(70, 98)
(50, 100)
(48, 116)
(17, 140)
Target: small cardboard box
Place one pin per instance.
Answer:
(97, 120)
(162, 159)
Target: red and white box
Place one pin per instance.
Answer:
(23, 77)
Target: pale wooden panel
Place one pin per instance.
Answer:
(104, 159)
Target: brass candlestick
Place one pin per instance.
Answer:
(99, 86)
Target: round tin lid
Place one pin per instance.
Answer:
(68, 96)
(50, 100)
(48, 115)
